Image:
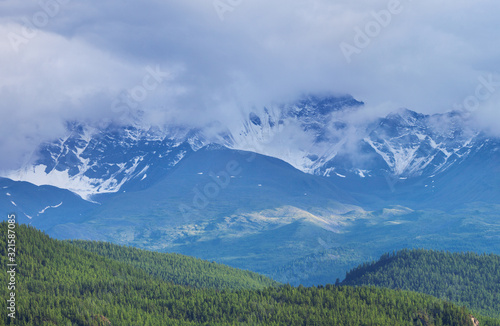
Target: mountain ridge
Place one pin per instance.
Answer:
(313, 134)
(189, 193)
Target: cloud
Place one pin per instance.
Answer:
(67, 60)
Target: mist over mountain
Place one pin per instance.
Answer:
(88, 62)
(291, 184)
(319, 135)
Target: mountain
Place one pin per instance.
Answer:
(58, 283)
(307, 133)
(464, 278)
(417, 160)
(316, 135)
(44, 205)
(216, 204)
(300, 191)
(90, 162)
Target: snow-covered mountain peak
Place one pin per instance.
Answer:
(305, 133)
(320, 106)
(405, 118)
(414, 144)
(315, 135)
(88, 161)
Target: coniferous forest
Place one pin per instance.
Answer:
(61, 283)
(179, 269)
(469, 279)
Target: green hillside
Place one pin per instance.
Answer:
(179, 269)
(58, 283)
(465, 278)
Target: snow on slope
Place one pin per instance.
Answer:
(48, 207)
(313, 134)
(319, 141)
(80, 184)
(413, 144)
(306, 134)
(89, 162)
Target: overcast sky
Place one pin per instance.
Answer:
(193, 61)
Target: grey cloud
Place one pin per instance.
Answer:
(428, 58)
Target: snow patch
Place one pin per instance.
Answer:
(328, 171)
(79, 184)
(143, 171)
(56, 206)
(421, 137)
(363, 173)
(178, 158)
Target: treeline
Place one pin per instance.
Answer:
(179, 269)
(468, 279)
(58, 283)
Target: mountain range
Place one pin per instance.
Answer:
(300, 191)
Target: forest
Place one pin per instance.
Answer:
(467, 278)
(61, 283)
(179, 269)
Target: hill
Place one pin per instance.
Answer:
(58, 283)
(179, 269)
(468, 279)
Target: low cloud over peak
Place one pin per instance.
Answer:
(201, 61)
